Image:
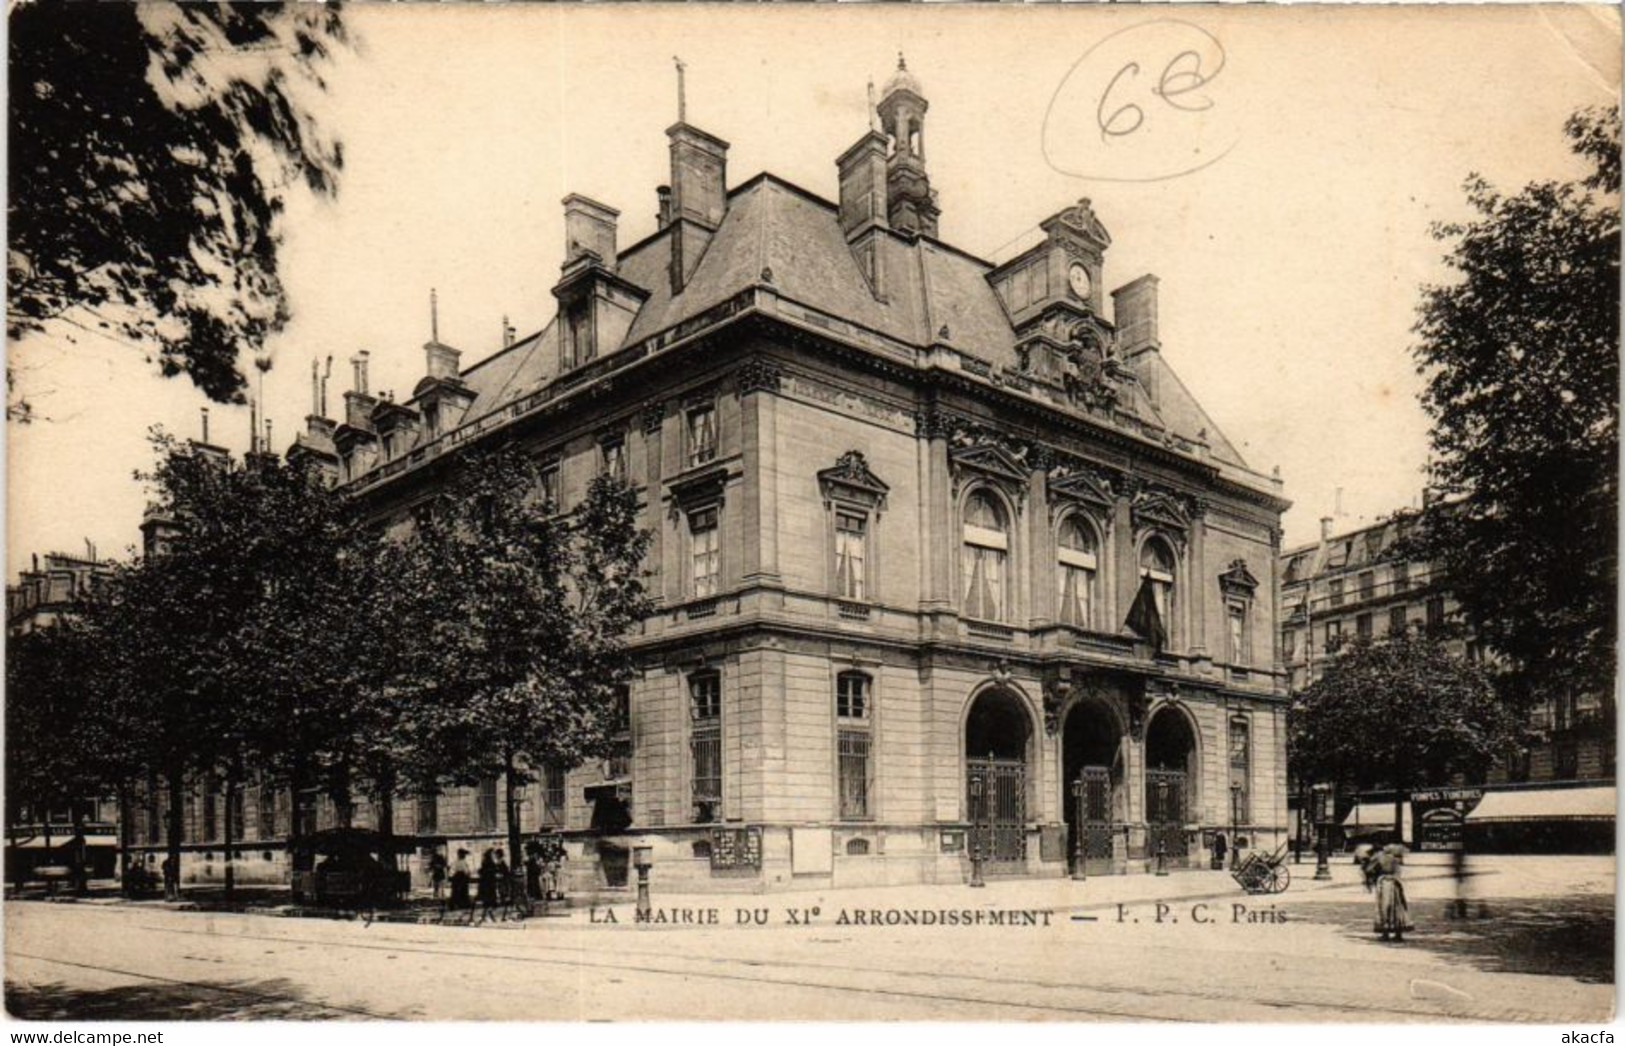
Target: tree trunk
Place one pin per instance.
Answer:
(296, 786)
(174, 832)
(126, 826)
(81, 878)
(515, 860)
(231, 795)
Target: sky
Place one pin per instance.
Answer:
(1281, 186)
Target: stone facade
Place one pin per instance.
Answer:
(904, 502)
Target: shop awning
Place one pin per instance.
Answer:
(1546, 804)
(1374, 817)
(37, 842)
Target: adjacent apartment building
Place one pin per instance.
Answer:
(1557, 793)
(903, 500)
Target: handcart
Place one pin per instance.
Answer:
(1260, 872)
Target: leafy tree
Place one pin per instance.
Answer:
(62, 747)
(522, 617)
(1398, 711)
(151, 148)
(1521, 358)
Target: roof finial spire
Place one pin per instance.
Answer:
(874, 116)
(900, 63)
(434, 315)
(682, 95)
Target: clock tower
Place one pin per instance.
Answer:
(1053, 295)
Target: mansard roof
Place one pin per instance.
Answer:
(778, 234)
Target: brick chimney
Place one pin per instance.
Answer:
(862, 170)
(589, 231)
(863, 209)
(358, 403)
(1134, 309)
(441, 361)
(699, 176)
(699, 197)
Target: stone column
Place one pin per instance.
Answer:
(1040, 546)
(758, 382)
(1200, 594)
(1128, 572)
(938, 520)
(654, 415)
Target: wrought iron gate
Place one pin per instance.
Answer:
(998, 809)
(1092, 819)
(1165, 813)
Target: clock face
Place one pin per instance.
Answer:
(1078, 277)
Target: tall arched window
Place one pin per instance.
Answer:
(1077, 556)
(1157, 563)
(985, 551)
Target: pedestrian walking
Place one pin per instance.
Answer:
(504, 883)
(437, 873)
(460, 878)
(533, 874)
(1219, 848)
(172, 878)
(1382, 876)
(487, 886)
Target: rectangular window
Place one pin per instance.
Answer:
(209, 825)
(155, 820)
(1396, 619)
(1289, 644)
(1236, 616)
(581, 340)
(428, 814)
(705, 745)
(853, 753)
(1362, 625)
(553, 796)
(1435, 612)
(1336, 587)
(485, 806)
(1334, 634)
(702, 532)
(851, 534)
(1368, 584)
(613, 458)
(237, 806)
(1240, 770)
(1402, 577)
(548, 488)
(1518, 764)
(852, 695)
(702, 435)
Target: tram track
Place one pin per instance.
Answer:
(802, 974)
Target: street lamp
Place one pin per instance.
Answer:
(1323, 816)
(1235, 822)
(643, 859)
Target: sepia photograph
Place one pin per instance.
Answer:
(811, 513)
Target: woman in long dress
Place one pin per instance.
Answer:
(1382, 876)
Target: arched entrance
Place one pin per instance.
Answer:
(1092, 778)
(998, 732)
(1170, 761)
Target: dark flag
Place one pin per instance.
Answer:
(1144, 619)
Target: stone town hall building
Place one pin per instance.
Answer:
(903, 500)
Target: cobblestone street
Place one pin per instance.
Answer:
(1536, 945)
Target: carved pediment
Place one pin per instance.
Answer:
(991, 461)
(1158, 508)
(1238, 580)
(851, 478)
(1080, 484)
